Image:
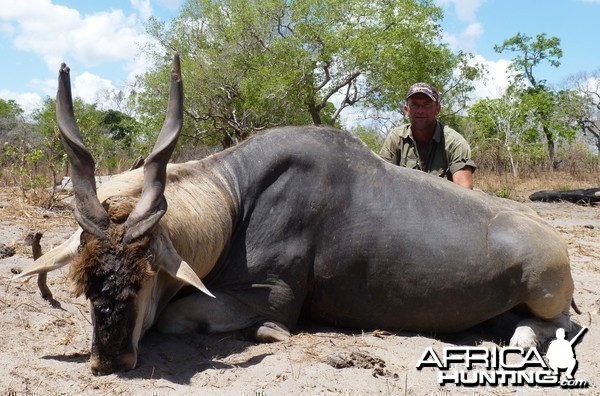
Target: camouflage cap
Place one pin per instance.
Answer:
(424, 88)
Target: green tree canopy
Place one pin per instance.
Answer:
(13, 126)
(582, 103)
(504, 126)
(10, 108)
(253, 64)
(546, 109)
(530, 53)
(108, 134)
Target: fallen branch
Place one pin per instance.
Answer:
(34, 241)
(585, 196)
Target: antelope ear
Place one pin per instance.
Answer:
(175, 266)
(55, 258)
(186, 274)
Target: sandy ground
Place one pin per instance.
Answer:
(45, 347)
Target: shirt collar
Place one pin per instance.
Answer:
(437, 135)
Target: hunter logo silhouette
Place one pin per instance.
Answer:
(561, 353)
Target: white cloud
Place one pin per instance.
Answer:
(86, 86)
(465, 9)
(57, 32)
(137, 66)
(28, 101)
(498, 77)
(47, 87)
(6, 29)
(466, 39)
(497, 80)
(143, 7)
(91, 88)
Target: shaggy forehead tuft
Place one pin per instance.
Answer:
(119, 208)
(109, 268)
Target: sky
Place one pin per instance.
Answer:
(99, 40)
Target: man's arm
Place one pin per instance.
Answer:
(464, 177)
(462, 166)
(389, 149)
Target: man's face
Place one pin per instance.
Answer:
(421, 111)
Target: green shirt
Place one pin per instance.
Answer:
(399, 148)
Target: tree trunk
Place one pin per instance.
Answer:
(551, 148)
(512, 161)
(315, 114)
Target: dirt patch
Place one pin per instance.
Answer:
(45, 347)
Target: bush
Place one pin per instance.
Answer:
(22, 166)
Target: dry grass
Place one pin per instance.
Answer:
(520, 188)
(17, 206)
(15, 209)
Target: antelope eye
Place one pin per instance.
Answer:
(102, 306)
(105, 310)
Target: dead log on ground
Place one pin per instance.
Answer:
(584, 196)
